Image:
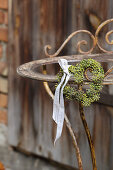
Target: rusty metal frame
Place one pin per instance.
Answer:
(27, 70)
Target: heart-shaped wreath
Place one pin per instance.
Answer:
(79, 73)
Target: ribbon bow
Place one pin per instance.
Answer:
(58, 104)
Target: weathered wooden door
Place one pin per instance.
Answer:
(32, 25)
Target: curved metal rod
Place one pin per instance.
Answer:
(109, 71)
(92, 150)
(86, 75)
(82, 42)
(106, 36)
(68, 124)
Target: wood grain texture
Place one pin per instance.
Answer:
(16, 161)
(32, 25)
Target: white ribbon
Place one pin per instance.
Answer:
(58, 104)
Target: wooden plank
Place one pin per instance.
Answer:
(16, 160)
(106, 99)
(32, 25)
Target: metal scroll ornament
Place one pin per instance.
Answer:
(77, 74)
(95, 40)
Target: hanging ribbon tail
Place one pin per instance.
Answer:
(60, 114)
(56, 101)
(59, 132)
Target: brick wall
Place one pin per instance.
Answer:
(3, 78)
(3, 60)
